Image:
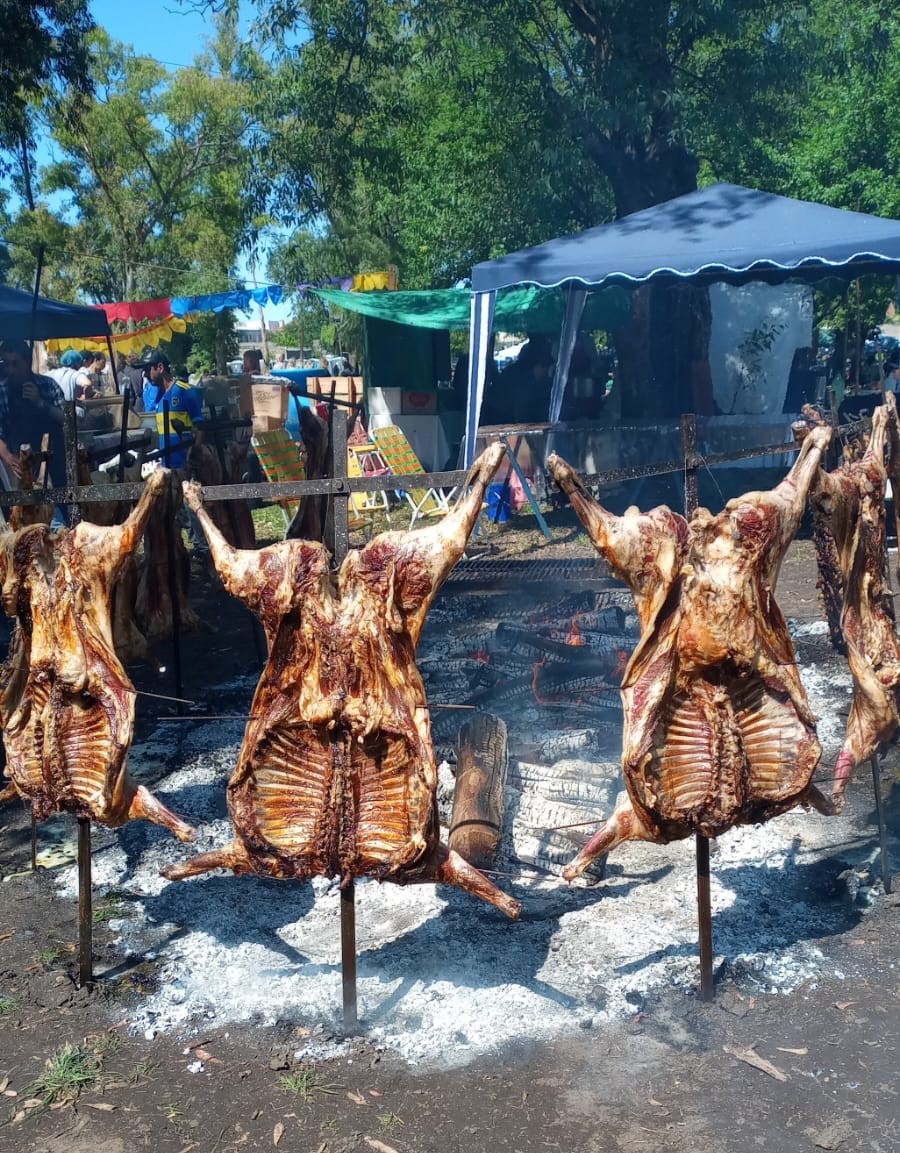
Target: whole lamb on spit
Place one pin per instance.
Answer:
(337, 774)
(66, 703)
(850, 513)
(717, 727)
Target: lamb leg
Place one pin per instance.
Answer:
(245, 573)
(426, 555)
(8, 794)
(115, 543)
(790, 496)
(645, 550)
(145, 805)
(441, 545)
(447, 867)
(233, 856)
(623, 825)
(816, 799)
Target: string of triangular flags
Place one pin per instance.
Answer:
(168, 315)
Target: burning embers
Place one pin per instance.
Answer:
(718, 730)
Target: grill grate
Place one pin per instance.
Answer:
(485, 572)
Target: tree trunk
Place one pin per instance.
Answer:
(663, 350)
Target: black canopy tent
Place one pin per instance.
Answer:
(24, 319)
(721, 233)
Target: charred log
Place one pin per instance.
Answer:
(476, 821)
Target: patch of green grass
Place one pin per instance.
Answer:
(7, 1006)
(52, 955)
(304, 1083)
(389, 1121)
(109, 909)
(67, 1072)
(268, 523)
(142, 1071)
(105, 1043)
(173, 1113)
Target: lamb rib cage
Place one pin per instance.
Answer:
(67, 706)
(337, 774)
(717, 729)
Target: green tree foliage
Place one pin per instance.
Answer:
(453, 131)
(43, 58)
(149, 190)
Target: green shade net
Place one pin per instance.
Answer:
(520, 309)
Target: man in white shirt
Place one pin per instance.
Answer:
(70, 376)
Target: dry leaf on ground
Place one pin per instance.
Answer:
(751, 1057)
(277, 1133)
(380, 1146)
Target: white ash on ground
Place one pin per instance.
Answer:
(444, 978)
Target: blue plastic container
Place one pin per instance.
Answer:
(499, 507)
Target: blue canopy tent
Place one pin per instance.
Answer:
(23, 318)
(721, 233)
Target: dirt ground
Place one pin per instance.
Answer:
(678, 1075)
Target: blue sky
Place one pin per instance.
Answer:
(173, 35)
(164, 29)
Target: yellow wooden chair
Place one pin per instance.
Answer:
(282, 460)
(366, 460)
(401, 459)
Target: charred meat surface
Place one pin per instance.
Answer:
(850, 507)
(67, 704)
(337, 774)
(153, 602)
(717, 727)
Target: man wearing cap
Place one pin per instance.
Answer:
(173, 401)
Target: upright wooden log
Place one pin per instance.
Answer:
(477, 819)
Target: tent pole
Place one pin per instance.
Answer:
(575, 300)
(481, 323)
(112, 363)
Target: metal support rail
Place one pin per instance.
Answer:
(332, 486)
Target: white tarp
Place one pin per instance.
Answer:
(755, 330)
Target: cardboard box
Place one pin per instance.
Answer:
(267, 423)
(418, 403)
(347, 388)
(263, 400)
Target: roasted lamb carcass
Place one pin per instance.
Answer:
(337, 774)
(850, 512)
(68, 707)
(153, 603)
(718, 730)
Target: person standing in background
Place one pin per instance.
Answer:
(892, 375)
(131, 374)
(71, 376)
(96, 370)
(31, 407)
(162, 394)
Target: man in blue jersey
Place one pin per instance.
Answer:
(175, 402)
(165, 396)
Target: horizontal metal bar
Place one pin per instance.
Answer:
(338, 486)
(335, 486)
